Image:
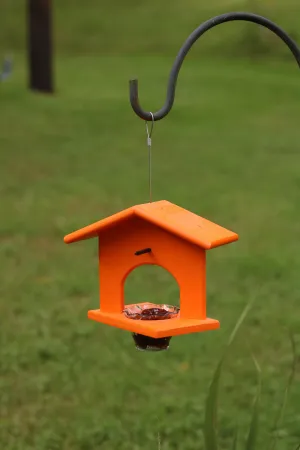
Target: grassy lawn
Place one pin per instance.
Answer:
(228, 151)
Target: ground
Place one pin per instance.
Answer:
(228, 151)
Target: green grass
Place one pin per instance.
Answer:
(136, 27)
(228, 151)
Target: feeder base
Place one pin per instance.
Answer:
(155, 328)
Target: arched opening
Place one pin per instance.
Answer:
(151, 283)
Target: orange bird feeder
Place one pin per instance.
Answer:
(162, 234)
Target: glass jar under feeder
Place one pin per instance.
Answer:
(151, 311)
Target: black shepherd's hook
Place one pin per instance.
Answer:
(134, 97)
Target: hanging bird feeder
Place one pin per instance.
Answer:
(166, 235)
(163, 234)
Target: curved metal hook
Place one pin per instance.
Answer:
(133, 84)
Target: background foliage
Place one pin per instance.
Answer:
(228, 151)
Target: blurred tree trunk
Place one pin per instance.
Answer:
(39, 15)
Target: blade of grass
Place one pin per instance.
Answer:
(253, 431)
(235, 438)
(210, 421)
(281, 412)
(239, 323)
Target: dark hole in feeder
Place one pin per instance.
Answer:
(151, 312)
(143, 251)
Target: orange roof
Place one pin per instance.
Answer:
(168, 216)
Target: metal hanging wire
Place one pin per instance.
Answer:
(149, 144)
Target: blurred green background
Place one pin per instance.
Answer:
(228, 151)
